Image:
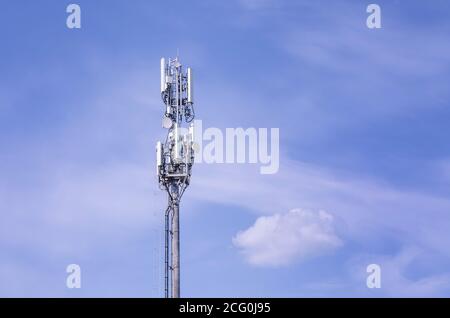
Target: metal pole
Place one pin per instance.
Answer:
(166, 253)
(176, 250)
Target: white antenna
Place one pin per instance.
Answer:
(174, 159)
(190, 86)
(163, 75)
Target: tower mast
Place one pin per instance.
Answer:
(174, 160)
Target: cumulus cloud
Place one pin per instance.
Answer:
(281, 239)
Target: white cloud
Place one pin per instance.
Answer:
(281, 239)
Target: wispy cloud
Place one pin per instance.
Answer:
(397, 274)
(66, 196)
(366, 211)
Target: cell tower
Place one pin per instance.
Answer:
(174, 160)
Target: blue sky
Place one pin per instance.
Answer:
(364, 124)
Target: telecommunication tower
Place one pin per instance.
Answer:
(174, 160)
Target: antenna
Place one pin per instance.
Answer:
(174, 160)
